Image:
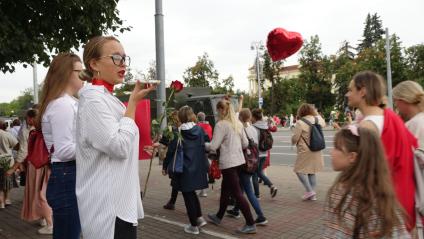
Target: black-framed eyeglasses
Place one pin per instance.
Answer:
(119, 60)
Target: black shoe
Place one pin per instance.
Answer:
(260, 180)
(169, 206)
(273, 191)
(232, 213)
(261, 221)
(214, 219)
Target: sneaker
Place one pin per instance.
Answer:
(169, 206)
(191, 230)
(308, 195)
(7, 202)
(273, 191)
(314, 198)
(201, 222)
(233, 213)
(203, 193)
(260, 180)
(261, 221)
(43, 222)
(248, 229)
(47, 230)
(258, 197)
(214, 219)
(2, 206)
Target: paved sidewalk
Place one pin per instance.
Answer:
(288, 216)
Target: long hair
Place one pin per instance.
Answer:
(229, 114)
(56, 81)
(411, 92)
(306, 109)
(368, 180)
(93, 50)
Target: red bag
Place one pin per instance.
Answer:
(214, 171)
(38, 154)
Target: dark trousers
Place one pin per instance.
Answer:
(174, 195)
(124, 230)
(63, 201)
(193, 207)
(260, 174)
(230, 187)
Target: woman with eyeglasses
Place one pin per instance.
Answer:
(107, 187)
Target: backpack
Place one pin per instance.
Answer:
(317, 141)
(265, 139)
(251, 155)
(38, 154)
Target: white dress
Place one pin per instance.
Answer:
(107, 184)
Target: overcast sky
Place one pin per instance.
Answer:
(225, 29)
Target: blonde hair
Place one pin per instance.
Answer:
(93, 50)
(411, 92)
(229, 114)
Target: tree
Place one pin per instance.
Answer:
(225, 86)
(202, 74)
(289, 94)
(373, 31)
(33, 30)
(315, 75)
(271, 73)
(415, 63)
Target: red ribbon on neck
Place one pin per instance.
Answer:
(107, 85)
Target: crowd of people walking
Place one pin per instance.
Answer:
(91, 187)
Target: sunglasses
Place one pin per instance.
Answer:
(119, 60)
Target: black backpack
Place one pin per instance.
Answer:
(317, 141)
(265, 139)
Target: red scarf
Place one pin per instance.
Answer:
(107, 85)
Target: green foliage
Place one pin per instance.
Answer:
(316, 75)
(414, 61)
(19, 105)
(33, 30)
(271, 73)
(225, 86)
(373, 31)
(289, 93)
(202, 74)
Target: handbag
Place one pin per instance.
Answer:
(178, 161)
(251, 155)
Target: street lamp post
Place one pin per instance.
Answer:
(258, 46)
(160, 58)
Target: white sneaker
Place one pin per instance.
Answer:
(8, 202)
(191, 230)
(43, 222)
(203, 193)
(47, 230)
(2, 206)
(201, 222)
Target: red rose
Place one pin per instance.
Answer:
(177, 86)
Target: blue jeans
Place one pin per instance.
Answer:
(246, 185)
(260, 174)
(63, 201)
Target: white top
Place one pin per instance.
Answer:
(23, 143)
(416, 126)
(378, 121)
(58, 126)
(15, 130)
(107, 183)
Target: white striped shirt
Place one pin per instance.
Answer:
(107, 183)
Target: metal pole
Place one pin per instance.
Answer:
(160, 59)
(35, 82)
(258, 76)
(389, 70)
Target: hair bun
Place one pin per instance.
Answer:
(86, 75)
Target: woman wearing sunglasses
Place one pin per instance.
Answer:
(107, 187)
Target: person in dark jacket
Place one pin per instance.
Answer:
(195, 167)
(169, 156)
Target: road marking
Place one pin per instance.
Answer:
(289, 146)
(289, 154)
(207, 232)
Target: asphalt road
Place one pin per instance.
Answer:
(283, 153)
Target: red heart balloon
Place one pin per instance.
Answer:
(282, 44)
